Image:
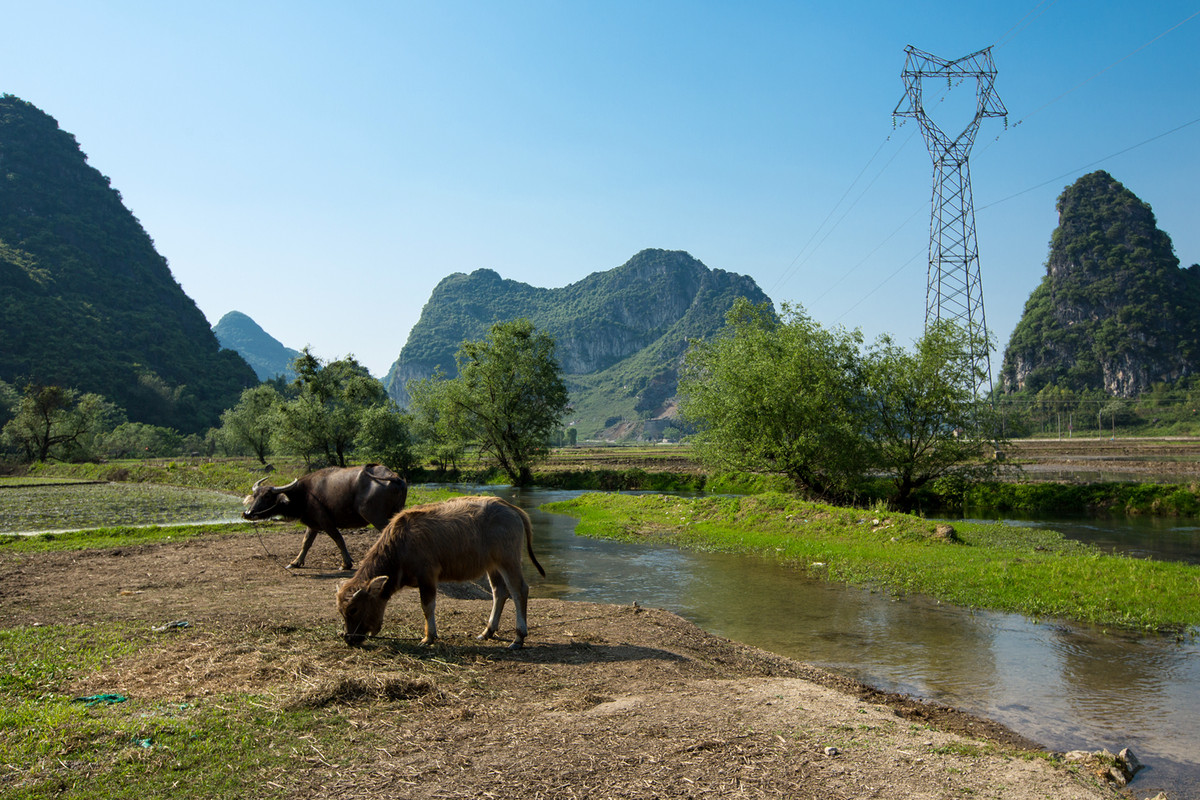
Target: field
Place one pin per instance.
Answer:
(234, 683)
(203, 668)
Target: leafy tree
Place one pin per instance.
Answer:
(925, 421)
(508, 397)
(51, 421)
(248, 426)
(139, 440)
(780, 395)
(386, 437)
(323, 421)
(437, 440)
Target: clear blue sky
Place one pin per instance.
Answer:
(321, 166)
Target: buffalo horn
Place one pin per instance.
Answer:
(257, 484)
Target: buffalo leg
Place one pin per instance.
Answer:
(429, 606)
(519, 590)
(310, 536)
(499, 595)
(336, 535)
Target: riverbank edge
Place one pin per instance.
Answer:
(986, 746)
(1035, 572)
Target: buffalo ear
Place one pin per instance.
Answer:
(375, 587)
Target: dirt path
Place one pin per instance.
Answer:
(604, 702)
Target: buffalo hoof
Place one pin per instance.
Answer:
(517, 645)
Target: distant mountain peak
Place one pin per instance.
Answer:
(264, 353)
(1114, 311)
(619, 333)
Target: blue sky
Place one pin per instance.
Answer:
(321, 166)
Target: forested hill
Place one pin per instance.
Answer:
(85, 300)
(262, 351)
(1114, 311)
(619, 333)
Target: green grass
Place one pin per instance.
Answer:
(1034, 572)
(52, 746)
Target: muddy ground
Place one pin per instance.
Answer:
(603, 702)
(1151, 460)
(1167, 459)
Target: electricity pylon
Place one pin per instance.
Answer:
(954, 291)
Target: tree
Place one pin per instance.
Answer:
(437, 441)
(386, 437)
(925, 420)
(248, 426)
(139, 440)
(323, 421)
(51, 421)
(780, 395)
(507, 398)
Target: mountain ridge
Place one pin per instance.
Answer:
(265, 354)
(619, 333)
(87, 302)
(1114, 310)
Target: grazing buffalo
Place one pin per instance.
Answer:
(459, 540)
(331, 498)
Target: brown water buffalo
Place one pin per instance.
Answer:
(331, 498)
(461, 539)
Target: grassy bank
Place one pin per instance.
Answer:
(1034, 572)
(57, 744)
(1091, 499)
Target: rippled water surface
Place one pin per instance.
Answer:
(1064, 685)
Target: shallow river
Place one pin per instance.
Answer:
(1065, 686)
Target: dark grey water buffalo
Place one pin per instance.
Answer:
(459, 540)
(331, 498)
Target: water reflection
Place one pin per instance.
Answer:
(1067, 687)
(1138, 537)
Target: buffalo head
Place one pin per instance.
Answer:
(362, 608)
(265, 502)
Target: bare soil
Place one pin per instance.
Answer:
(603, 702)
(1151, 460)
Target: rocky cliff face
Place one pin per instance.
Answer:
(1114, 311)
(635, 320)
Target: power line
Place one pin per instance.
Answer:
(1125, 57)
(797, 262)
(1092, 164)
(880, 285)
(1022, 23)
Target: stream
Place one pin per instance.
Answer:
(1065, 685)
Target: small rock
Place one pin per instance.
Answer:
(1131, 761)
(831, 751)
(946, 533)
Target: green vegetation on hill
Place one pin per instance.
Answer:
(1114, 313)
(619, 334)
(85, 300)
(262, 351)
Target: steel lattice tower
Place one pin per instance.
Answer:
(954, 291)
